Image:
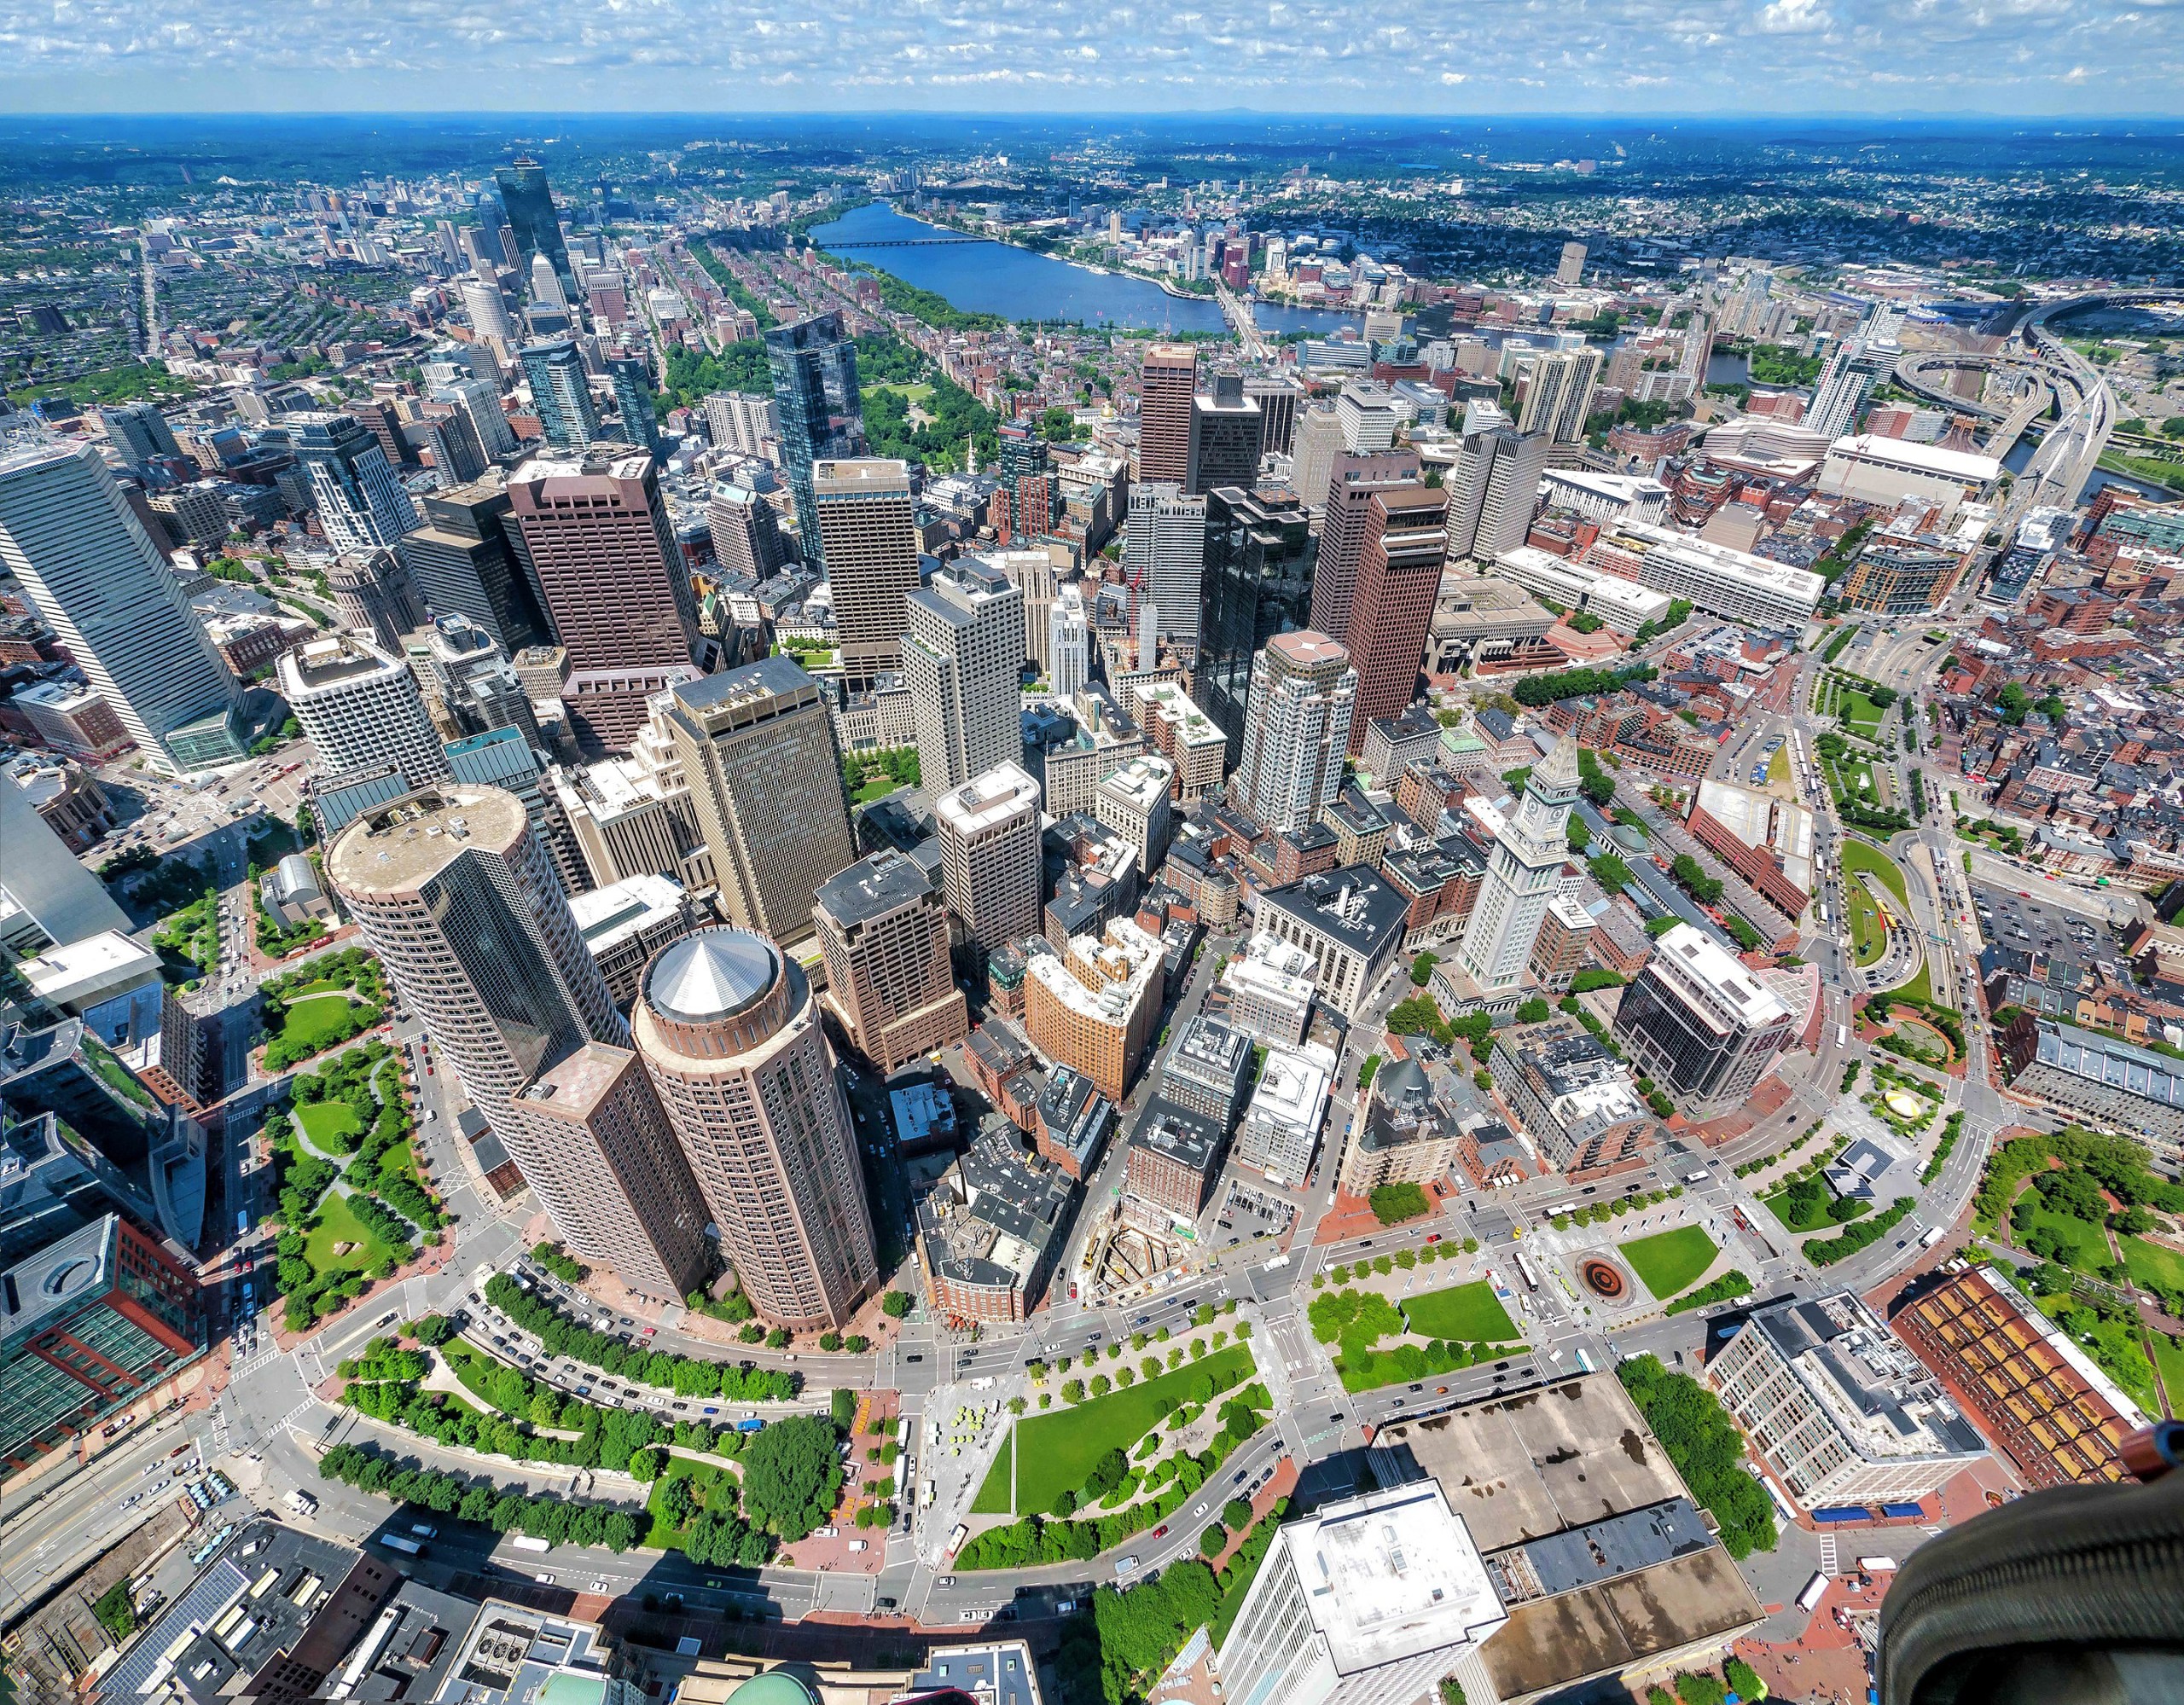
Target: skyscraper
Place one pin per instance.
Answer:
(45, 880)
(963, 660)
(1260, 553)
(528, 202)
(359, 706)
(1560, 395)
(1700, 1023)
(1493, 492)
(596, 532)
(1406, 543)
(1069, 644)
(140, 432)
(758, 755)
(361, 501)
(1353, 481)
(1166, 389)
(1366, 411)
(1029, 491)
(95, 576)
(814, 365)
(463, 908)
(1296, 729)
(561, 393)
(464, 565)
(1318, 440)
(730, 1035)
(745, 539)
(1529, 853)
(374, 594)
(866, 531)
(883, 930)
(990, 854)
(632, 381)
(1163, 555)
(1227, 431)
(1853, 371)
(1572, 268)
(487, 309)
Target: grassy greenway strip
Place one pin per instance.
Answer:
(558, 1520)
(1950, 1131)
(1359, 1319)
(1036, 1540)
(1730, 1283)
(1861, 1233)
(1706, 1449)
(685, 1376)
(1471, 1312)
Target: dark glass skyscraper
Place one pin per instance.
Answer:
(822, 418)
(1260, 554)
(633, 394)
(529, 200)
(466, 565)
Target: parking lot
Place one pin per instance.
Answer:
(2033, 925)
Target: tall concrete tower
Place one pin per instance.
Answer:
(729, 1034)
(1529, 853)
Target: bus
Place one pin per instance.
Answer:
(1525, 1266)
(956, 1540)
(1842, 1035)
(403, 1543)
(1815, 1590)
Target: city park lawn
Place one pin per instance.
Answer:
(318, 1021)
(997, 1494)
(1059, 1450)
(1470, 1313)
(1777, 767)
(2169, 1357)
(663, 1535)
(2088, 1244)
(1861, 716)
(1869, 934)
(336, 1224)
(878, 788)
(330, 1126)
(2152, 1264)
(1667, 1262)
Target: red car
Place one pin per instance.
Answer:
(1160, 1532)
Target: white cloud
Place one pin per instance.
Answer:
(1794, 17)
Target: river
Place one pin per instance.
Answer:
(986, 277)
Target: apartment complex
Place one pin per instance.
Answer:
(1296, 729)
(1094, 1007)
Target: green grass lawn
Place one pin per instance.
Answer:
(1777, 767)
(1920, 988)
(878, 788)
(1667, 1262)
(2168, 1356)
(995, 1495)
(1059, 1450)
(1777, 1204)
(1471, 1312)
(2087, 1240)
(2152, 1264)
(316, 1020)
(1861, 716)
(324, 985)
(663, 1534)
(1863, 856)
(325, 1123)
(337, 1225)
(1869, 934)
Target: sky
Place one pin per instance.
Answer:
(2091, 58)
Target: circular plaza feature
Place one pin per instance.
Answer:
(1603, 1278)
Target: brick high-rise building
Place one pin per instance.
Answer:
(1353, 483)
(765, 774)
(1167, 389)
(1406, 542)
(883, 928)
(869, 533)
(603, 554)
(461, 906)
(729, 1034)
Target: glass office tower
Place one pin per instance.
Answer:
(529, 200)
(1260, 554)
(814, 365)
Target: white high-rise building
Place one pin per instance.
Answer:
(1296, 729)
(748, 424)
(1366, 412)
(1164, 554)
(1852, 373)
(479, 399)
(1069, 644)
(963, 659)
(360, 503)
(359, 706)
(545, 283)
(96, 579)
(488, 310)
(1529, 853)
(1368, 1601)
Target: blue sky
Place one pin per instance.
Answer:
(2019, 57)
